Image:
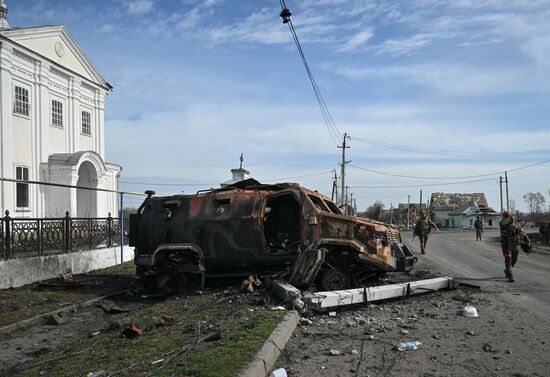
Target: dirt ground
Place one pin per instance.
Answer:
(89, 339)
(505, 340)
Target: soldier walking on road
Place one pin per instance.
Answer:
(422, 228)
(509, 239)
(478, 225)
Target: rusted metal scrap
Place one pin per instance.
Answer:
(250, 228)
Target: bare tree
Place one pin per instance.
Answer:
(375, 211)
(535, 202)
(512, 206)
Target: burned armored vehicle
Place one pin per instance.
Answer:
(253, 228)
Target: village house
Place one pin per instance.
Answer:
(460, 210)
(52, 127)
(410, 212)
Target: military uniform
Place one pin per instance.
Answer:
(478, 225)
(422, 229)
(509, 240)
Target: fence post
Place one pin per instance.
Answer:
(40, 234)
(90, 229)
(109, 230)
(67, 232)
(7, 238)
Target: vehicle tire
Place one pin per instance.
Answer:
(335, 279)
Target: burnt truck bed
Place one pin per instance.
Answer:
(250, 228)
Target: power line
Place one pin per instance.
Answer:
(333, 130)
(443, 152)
(166, 184)
(443, 178)
(425, 184)
(298, 176)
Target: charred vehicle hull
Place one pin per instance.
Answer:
(262, 229)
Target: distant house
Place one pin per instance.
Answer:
(410, 212)
(459, 210)
(52, 125)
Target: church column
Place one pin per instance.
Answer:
(6, 136)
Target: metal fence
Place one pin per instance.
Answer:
(31, 237)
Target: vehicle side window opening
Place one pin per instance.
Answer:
(318, 203)
(332, 207)
(282, 223)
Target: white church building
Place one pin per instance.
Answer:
(51, 125)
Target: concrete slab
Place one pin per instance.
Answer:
(331, 299)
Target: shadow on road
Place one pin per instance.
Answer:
(494, 278)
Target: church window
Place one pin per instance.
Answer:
(86, 123)
(57, 113)
(22, 174)
(21, 101)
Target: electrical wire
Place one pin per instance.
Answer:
(443, 178)
(443, 152)
(167, 184)
(424, 184)
(298, 176)
(333, 130)
(215, 184)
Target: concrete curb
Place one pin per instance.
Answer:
(41, 317)
(265, 359)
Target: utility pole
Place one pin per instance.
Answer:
(343, 194)
(351, 204)
(501, 206)
(409, 211)
(334, 187)
(391, 213)
(507, 200)
(420, 204)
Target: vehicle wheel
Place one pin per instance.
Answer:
(335, 279)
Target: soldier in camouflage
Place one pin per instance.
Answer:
(422, 229)
(509, 240)
(478, 225)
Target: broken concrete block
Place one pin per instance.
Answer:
(56, 319)
(306, 322)
(332, 314)
(334, 352)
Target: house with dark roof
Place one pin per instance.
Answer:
(459, 210)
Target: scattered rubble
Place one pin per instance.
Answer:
(132, 331)
(56, 319)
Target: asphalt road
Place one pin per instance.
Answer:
(458, 254)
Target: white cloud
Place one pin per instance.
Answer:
(357, 40)
(395, 47)
(139, 6)
(107, 28)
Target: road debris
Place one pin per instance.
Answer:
(166, 320)
(248, 284)
(408, 346)
(281, 372)
(331, 299)
(470, 312)
(133, 330)
(110, 307)
(56, 319)
(333, 352)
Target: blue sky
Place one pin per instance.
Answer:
(198, 82)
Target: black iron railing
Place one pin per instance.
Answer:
(31, 237)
